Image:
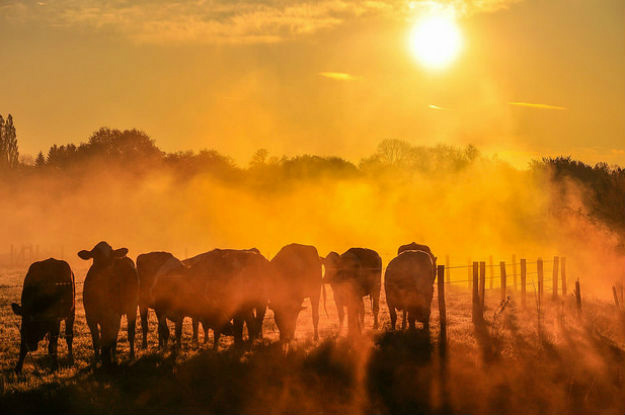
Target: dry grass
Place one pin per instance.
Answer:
(577, 365)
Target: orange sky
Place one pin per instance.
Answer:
(326, 76)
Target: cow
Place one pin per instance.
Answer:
(408, 283)
(48, 296)
(352, 275)
(413, 246)
(177, 292)
(297, 276)
(149, 267)
(110, 290)
(220, 285)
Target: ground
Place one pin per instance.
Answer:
(573, 363)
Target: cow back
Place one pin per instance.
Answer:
(410, 275)
(48, 291)
(297, 271)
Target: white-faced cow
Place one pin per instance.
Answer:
(354, 274)
(47, 298)
(408, 283)
(111, 289)
(297, 277)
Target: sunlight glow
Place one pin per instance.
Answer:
(435, 40)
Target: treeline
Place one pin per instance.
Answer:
(133, 151)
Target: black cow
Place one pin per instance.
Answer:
(413, 246)
(353, 275)
(408, 283)
(111, 289)
(297, 276)
(48, 296)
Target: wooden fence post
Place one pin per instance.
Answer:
(476, 300)
(523, 280)
(442, 310)
(539, 271)
(502, 271)
(563, 274)
(616, 302)
(578, 296)
(514, 271)
(469, 274)
(492, 271)
(556, 274)
(448, 268)
(482, 283)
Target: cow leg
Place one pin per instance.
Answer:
(163, 330)
(340, 306)
(95, 337)
(393, 314)
(69, 336)
(314, 302)
(178, 326)
(403, 323)
(261, 310)
(143, 313)
(23, 352)
(110, 329)
(216, 335)
(361, 313)
(252, 324)
(132, 325)
(205, 330)
(53, 344)
(238, 330)
(375, 306)
(195, 325)
(411, 320)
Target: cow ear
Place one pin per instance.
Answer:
(17, 309)
(121, 252)
(85, 254)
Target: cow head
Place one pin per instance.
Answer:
(32, 330)
(285, 314)
(102, 253)
(331, 263)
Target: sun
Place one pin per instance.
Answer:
(435, 41)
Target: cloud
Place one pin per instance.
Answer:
(538, 106)
(339, 76)
(222, 21)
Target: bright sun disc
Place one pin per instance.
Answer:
(435, 41)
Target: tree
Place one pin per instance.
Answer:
(9, 152)
(40, 161)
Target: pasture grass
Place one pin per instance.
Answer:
(510, 364)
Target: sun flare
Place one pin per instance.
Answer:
(435, 41)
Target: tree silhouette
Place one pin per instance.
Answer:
(40, 160)
(9, 152)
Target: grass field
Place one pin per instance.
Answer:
(572, 364)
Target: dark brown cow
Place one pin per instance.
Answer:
(111, 289)
(149, 266)
(297, 276)
(408, 282)
(48, 296)
(355, 274)
(413, 246)
(178, 292)
(222, 285)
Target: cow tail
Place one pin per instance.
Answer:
(323, 292)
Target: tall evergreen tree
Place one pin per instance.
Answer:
(10, 139)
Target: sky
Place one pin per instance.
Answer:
(533, 78)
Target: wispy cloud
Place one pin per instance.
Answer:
(437, 107)
(221, 21)
(538, 106)
(339, 76)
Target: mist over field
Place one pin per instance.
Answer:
(120, 187)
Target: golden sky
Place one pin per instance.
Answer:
(331, 77)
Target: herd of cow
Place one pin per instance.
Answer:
(223, 289)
